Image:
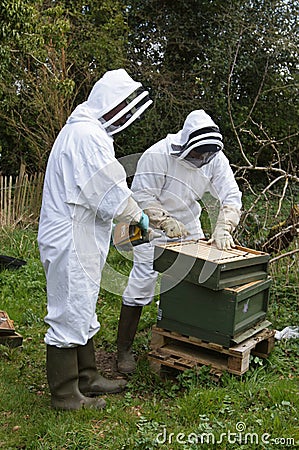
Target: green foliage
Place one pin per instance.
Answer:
(237, 61)
(49, 68)
(234, 60)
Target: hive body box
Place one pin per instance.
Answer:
(214, 316)
(216, 296)
(205, 265)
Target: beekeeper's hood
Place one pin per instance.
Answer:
(114, 88)
(199, 133)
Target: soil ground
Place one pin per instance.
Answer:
(106, 364)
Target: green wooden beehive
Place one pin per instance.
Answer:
(202, 264)
(222, 316)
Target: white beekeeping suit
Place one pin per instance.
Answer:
(168, 186)
(84, 190)
(171, 177)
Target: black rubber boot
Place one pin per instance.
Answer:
(127, 326)
(91, 383)
(63, 379)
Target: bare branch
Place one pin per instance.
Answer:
(283, 255)
(283, 173)
(229, 105)
(259, 91)
(282, 196)
(263, 193)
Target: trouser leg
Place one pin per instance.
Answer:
(138, 293)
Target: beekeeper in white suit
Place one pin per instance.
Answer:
(84, 190)
(171, 177)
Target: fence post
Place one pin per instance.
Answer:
(20, 199)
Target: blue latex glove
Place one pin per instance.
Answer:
(143, 222)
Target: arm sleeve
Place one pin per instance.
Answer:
(101, 180)
(149, 179)
(131, 212)
(224, 185)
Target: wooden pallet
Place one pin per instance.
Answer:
(8, 334)
(184, 352)
(14, 340)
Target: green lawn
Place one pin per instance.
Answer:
(190, 410)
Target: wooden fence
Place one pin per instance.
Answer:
(20, 198)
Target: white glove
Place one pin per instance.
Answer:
(173, 228)
(156, 215)
(160, 218)
(222, 238)
(131, 213)
(227, 221)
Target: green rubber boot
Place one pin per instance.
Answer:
(127, 327)
(91, 383)
(63, 379)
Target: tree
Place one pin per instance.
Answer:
(236, 60)
(52, 53)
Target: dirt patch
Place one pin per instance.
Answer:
(106, 364)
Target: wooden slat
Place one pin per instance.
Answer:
(5, 202)
(8, 335)
(6, 324)
(20, 198)
(188, 339)
(18, 189)
(251, 343)
(251, 331)
(1, 200)
(196, 356)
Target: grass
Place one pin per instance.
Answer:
(173, 412)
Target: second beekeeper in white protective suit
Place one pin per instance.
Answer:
(84, 190)
(171, 177)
